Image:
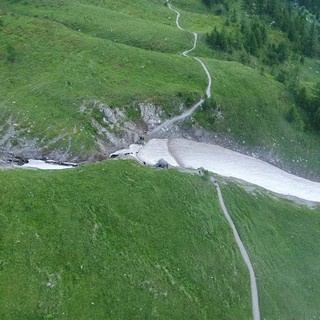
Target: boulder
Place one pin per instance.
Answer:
(162, 164)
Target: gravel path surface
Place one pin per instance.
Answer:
(245, 256)
(168, 123)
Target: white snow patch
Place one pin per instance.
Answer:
(132, 151)
(39, 164)
(155, 150)
(191, 154)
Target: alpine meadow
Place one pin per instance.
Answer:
(114, 92)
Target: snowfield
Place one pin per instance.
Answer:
(39, 164)
(191, 154)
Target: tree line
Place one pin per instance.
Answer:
(302, 32)
(311, 5)
(301, 28)
(310, 103)
(250, 36)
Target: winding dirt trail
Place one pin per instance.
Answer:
(168, 149)
(185, 53)
(244, 254)
(166, 124)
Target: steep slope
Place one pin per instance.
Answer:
(116, 240)
(49, 71)
(57, 70)
(282, 240)
(252, 110)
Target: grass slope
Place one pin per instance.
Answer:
(253, 112)
(115, 240)
(105, 23)
(282, 239)
(57, 69)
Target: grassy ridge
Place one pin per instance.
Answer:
(63, 58)
(115, 240)
(109, 24)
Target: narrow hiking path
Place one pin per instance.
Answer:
(174, 158)
(244, 254)
(185, 53)
(187, 113)
(243, 251)
(167, 148)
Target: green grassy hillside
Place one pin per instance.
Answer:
(252, 109)
(117, 240)
(57, 69)
(282, 239)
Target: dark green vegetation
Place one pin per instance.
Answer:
(312, 5)
(250, 28)
(280, 41)
(115, 240)
(272, 33)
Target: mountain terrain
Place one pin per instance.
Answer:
(117, 239)
(81, 79)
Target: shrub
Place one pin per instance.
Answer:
(11, 51)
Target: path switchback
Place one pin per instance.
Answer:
(185, 53)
